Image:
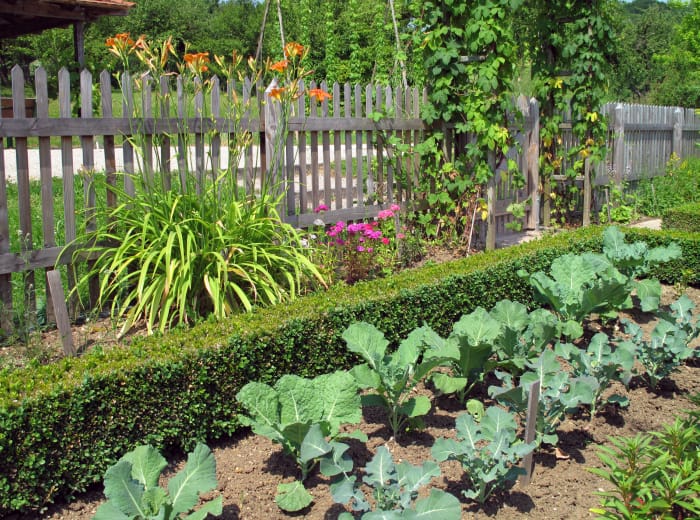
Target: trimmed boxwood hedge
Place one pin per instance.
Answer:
(684, 218)
(63, 425)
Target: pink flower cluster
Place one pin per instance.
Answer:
(359, 234)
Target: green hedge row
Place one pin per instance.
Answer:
(63, 425)
(684, 218)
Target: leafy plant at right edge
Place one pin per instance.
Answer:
(394, 490)
(392, 376)
(132, 491)
(488, 451)
(304, 416)
(654, 475)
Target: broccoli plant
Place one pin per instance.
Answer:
(304, 416)
(668, 347)
(392, 376)
(133, 493)
(488, 451)
(524, 335)
(466, 351)
(603, 362)
(560, 393)
(394, 491)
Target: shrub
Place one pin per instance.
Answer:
(685, 218)
(62, 425)
(680, 185)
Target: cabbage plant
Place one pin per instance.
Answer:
(133, 493)
(304, 416)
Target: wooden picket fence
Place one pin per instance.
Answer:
(339, 153)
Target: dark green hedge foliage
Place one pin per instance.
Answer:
(684, 218)
(63, 425)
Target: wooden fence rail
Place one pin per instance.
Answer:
(340, 153)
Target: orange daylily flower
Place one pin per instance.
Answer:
(277, 92)
(120, 45)
(293, 50)
(197, 61)
(279, 66)
(319, 94)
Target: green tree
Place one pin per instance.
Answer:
(680, 84)
(644, 32)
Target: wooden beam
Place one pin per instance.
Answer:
(35, 10)
(79, 44)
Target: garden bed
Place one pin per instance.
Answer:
(249, 467)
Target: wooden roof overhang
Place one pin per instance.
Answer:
(19, 17)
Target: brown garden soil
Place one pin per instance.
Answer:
(250, 467)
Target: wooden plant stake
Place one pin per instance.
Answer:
(58, 299)
(530, 424)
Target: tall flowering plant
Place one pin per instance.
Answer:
(363, 250)
(174, 254)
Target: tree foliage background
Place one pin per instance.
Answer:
(656, 58)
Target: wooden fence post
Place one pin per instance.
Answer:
(587, 195)
(23, 188)
(678, 132)
(533, 164)
(88, 144)
(47, 209)
(53, 280)
(491, 204)
(618, 165)
(5, 279)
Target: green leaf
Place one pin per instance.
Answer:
(110, 511)
(512, 315)
(293, 496)
(262, 403)
(299, 399)
(314, 445)
(365, 376)
(448, 384)
(213, 507)
(293, 434)
(439, 505)
(415, 406)
(338, 392)
(198, 476)
(649, 294)
(338, 460)
(381, 469)
(478, 327)
(367, 341)
(146, 465)
(123, 491)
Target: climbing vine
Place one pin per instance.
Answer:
(469, 55)
(572, 49)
